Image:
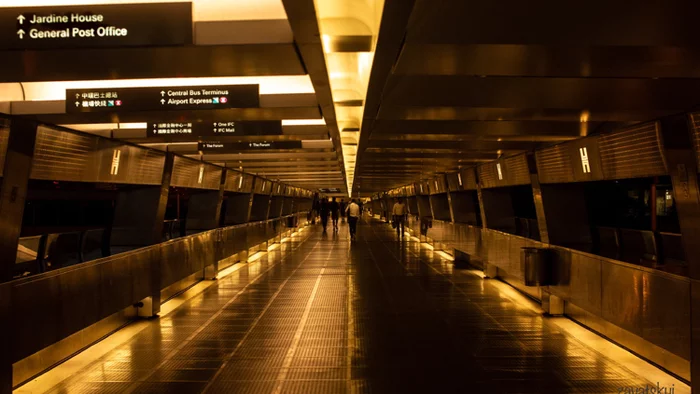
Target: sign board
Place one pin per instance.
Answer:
(188, 130)
(330, 190)
(96, 26)
(162, 98)
(225, 147)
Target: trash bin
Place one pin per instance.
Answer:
(536, 265)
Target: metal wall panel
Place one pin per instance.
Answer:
(695, 128)
(633, 152)
(554, 164)
(195, 174)
(262, 186)
(4, 137)
(622, 301)
(488, 176)
(438, 185)
(61, 155)
(469, 180)
(517, 171)
(453, 182)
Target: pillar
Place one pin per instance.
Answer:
(13, 195)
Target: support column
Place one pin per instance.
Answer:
(482, 210)
(13, 190)
(681, 162)
(449, 204)
(13, 195)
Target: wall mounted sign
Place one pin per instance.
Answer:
(193, 130)
(329, 190)
(228, 147)
(162, 98)
(96, 26)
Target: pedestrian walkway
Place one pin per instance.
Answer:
(323, 315)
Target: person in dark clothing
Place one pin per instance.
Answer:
(353, 211)
(343, 205)
(335, 213)
(324, 210)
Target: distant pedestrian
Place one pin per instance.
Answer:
(398, 217)
(343, 205)
(335, 213)
(353, 211)
(324, 211)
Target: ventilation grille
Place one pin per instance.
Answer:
(518, 172)
(487, 175)
(4, 137)
(62, 156)
(632, 153)
(195, 174)
(695, 120)
(554, 164)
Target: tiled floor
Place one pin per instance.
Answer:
(373, 316)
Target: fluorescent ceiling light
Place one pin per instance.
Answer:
(202, 10)
(303, 122)
(105, 126)
(291, 84)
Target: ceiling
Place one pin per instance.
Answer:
(273, 43)
(455, 83)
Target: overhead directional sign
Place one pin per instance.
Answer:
(95, 26)
(162, 98)
(192, 130)
(228, 147)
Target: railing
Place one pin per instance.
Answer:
(50, 311)
(613, 297)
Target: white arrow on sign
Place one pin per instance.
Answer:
(162, 93)
(77, 95)
(162, 101)
(20, 33)
(77, 104)
(21, 19)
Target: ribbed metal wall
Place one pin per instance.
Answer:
(186, 174)
(4, 136)
(488, 175)
(695, 124)
(469, 179)
(516, 170)
(633, 152)
(554, 164)
(60, 155)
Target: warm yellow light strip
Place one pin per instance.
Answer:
(349, 72)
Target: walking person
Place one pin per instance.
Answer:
(353, 211)
(324, 210)
(342, 210)
(398, 213)
(335, 213)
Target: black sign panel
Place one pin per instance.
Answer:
(96, 26)
(225, 147)
(188, 130)
(162, 98)
(331, 190)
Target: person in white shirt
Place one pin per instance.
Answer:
(353, 211)
(398, 213)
